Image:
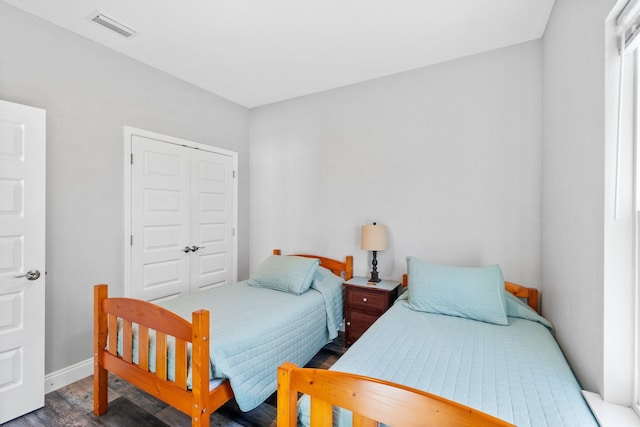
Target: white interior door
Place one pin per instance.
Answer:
(22, 259)
(183, 214)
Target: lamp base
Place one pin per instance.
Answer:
(374, 278)
(374, 269)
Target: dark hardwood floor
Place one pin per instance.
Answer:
(128, 406)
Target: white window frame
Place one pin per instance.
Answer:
(636, 167)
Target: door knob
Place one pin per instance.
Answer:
(186, 249)
(195, 248)
(30, 275)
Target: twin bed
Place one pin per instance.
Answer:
(457, 334)
(483, 347)
(238, 335)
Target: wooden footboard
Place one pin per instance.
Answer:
(370, 400)
(197, 402)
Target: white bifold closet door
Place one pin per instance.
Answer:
(182, 219)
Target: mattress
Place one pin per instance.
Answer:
(516, 372)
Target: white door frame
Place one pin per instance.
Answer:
(129, 131)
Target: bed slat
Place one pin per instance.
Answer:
(113, 338)
(362, 421)
(161, 355)
(321, 413)
(181, 364)
(143, 347)
(127, 341)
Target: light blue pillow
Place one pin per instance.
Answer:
(291, 274)
(472, 292)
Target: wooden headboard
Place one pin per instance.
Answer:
(530, 294)
(339, 268)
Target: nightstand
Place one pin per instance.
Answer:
(364, 303)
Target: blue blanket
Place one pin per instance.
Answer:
(516, 372)
(254, 330)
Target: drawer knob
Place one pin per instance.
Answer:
(364, 300)
(348, 323)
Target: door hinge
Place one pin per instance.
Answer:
(131, 158)
(233, 232)
(131, 240)
(234, 174)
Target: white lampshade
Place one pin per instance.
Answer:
(374, 237)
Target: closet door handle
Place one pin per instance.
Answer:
(195, 248)
(186, 249)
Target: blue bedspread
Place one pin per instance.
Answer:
(254, 330)
(516, 373)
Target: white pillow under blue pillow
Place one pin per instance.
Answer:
(472, 292)
(292, 274)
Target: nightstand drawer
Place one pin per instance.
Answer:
(367, 299)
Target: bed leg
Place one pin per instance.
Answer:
(100, 378)
(200, 413)
(100, 391)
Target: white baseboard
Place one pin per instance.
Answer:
(68, 375)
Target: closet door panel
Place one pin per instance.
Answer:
(160, 201)
(211, 219)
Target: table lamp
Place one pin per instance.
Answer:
(374, 238)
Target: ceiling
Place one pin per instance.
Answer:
(256, 52)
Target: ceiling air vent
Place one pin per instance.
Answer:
(112, 24)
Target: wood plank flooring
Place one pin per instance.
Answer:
(128, 406)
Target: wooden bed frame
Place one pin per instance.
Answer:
(530, 294)
(371, 400)
(198, 402)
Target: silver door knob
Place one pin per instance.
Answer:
(30, 275)
(195, 248)
(186, 249)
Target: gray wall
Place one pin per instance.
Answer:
(90, 93)
(587, 272)
(448, 157)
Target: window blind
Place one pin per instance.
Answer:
(627, 30)
(628, 25)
